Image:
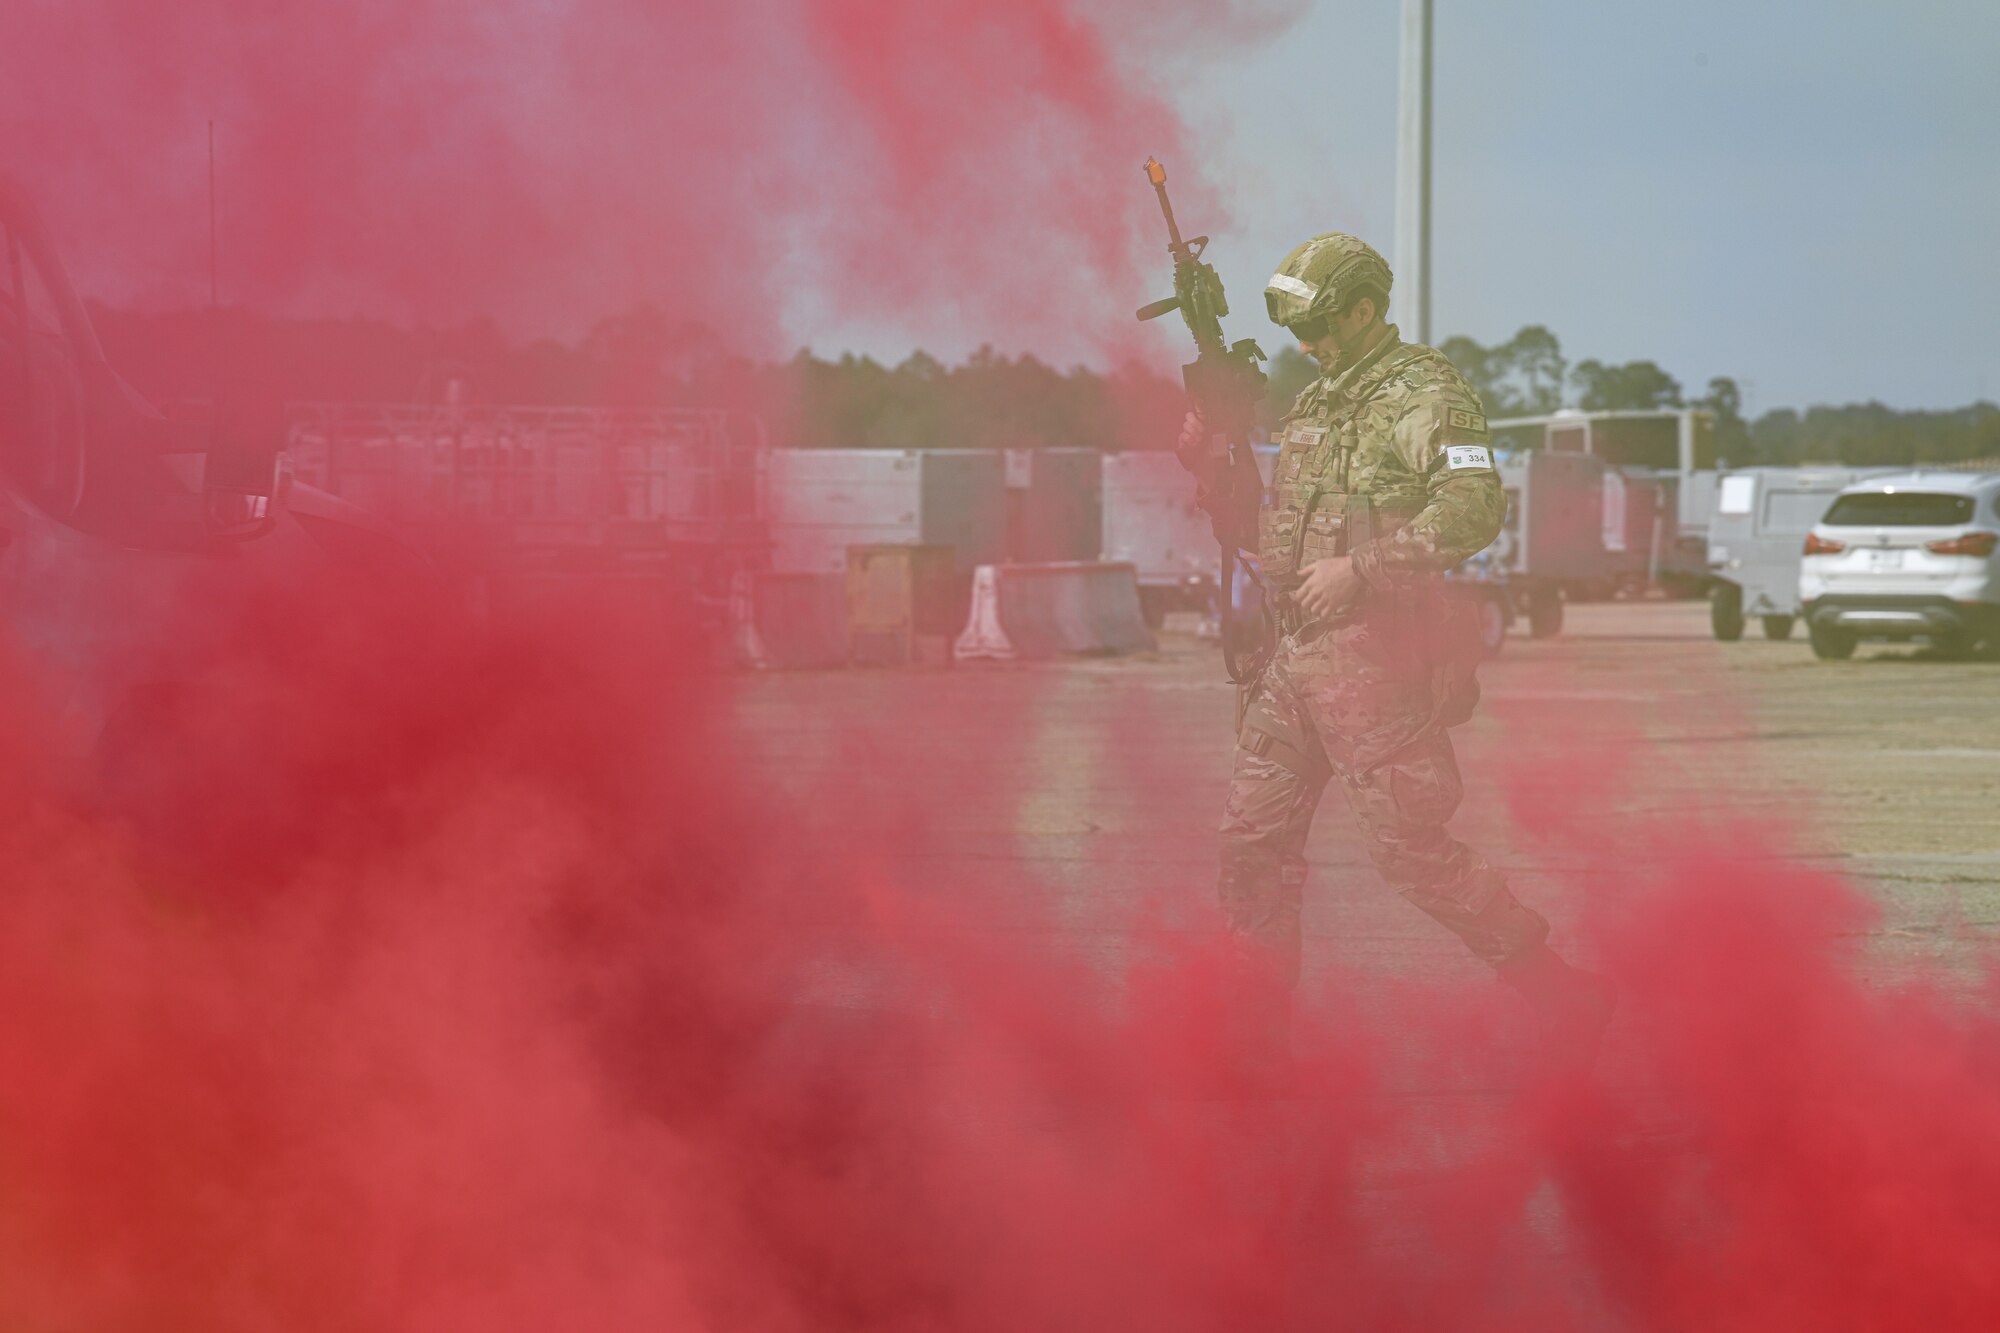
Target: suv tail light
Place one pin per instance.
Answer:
(1818, 545)
(1972, 543)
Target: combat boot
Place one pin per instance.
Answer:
(1572, 1008)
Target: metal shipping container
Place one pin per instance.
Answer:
(1151, 522)
(821, 501)
(1055, 505)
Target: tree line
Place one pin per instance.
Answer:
(1526, 376)
(990, 400)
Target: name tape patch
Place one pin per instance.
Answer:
(1306, 437)
(1462, 456)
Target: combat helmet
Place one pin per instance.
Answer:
(1321, 276)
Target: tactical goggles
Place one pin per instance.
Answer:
(1312, 330)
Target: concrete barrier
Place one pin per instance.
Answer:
(789, 621)
(1049, 610)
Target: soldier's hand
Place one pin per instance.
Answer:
(1192, 448)
(1330, 586)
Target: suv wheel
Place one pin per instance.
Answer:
(1725, 612)
(1778, 627)
(1952, 647)
(1832, 644)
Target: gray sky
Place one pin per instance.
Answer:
(1803, 196)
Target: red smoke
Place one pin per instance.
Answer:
(554, 981)
(965, 170)
(430, 973)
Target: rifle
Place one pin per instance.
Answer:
(1226, 383)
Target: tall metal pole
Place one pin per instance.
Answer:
(1413, 171)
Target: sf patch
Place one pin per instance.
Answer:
(1464, 421)
(1468, 457)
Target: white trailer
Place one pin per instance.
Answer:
(1756, 542)
(1152, 524)
(819, 502)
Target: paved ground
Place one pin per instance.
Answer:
(1072, 806)
(1100, 781)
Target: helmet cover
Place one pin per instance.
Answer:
(1321, 276)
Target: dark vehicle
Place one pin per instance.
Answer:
(1659, 478)
(113, 517)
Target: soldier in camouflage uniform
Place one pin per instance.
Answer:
(1385, 480)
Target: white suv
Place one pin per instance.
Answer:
(1904, 556)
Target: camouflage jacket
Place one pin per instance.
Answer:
(1403, 429)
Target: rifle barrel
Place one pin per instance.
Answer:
(1157, 174)
(1173, 232)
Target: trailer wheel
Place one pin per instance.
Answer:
(1545, 613)
(1725, 612)
(1778, 628)
(1833, 645)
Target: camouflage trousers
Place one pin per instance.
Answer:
(1341, 707)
